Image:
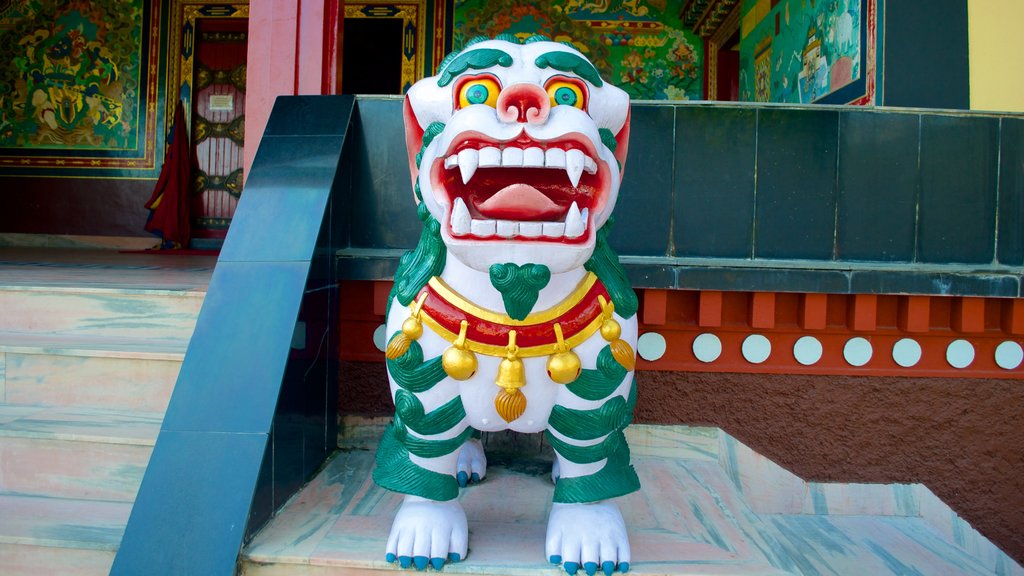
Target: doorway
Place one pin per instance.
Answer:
(218, 123)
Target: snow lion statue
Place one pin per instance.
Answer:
(512, 312)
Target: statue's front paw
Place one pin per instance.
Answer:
(472, 465)
(426, 532)
(588, 536)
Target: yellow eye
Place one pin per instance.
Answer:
(566, 93)
(480, 90)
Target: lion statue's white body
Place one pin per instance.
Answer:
(512, 313)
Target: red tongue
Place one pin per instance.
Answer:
(519, 202)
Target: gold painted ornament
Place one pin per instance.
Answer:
(564, 365)
(412, 329)
(610, 331)
(510, 402)
(458, 362)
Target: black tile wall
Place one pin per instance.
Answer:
(957, 213)
(644, 205)
(796, 184)
(714, 185)
(382, 190)
(846, 186)
(877, 186)
(1011, 192)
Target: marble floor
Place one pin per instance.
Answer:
(693, 516)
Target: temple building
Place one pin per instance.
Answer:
(203, 206)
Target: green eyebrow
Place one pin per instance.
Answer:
(569, 62)
(475, 59)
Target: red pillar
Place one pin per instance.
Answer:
(294, 48)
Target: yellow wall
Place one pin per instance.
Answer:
(996, 29)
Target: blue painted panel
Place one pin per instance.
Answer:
(183, 522)
(229, 383)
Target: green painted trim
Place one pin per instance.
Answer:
(443, 418)
(617, 478)
(519, 286)
(599, 383)
(432, 131)
(605, 263)
(614, 414)
(395, 471)
(410, 371)
(608, 139)
(587, 454)
(476, 59)
(569, 62)
(420, 264)
(429, 448)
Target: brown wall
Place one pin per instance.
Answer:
(963, 438)
(81, 206)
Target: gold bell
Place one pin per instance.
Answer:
(458, 362)
(510, 402)
(564, 365)
(412, 329)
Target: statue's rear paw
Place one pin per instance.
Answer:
(428, 533)
(588, 536)
(472, 466)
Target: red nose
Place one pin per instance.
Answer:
(523, 103)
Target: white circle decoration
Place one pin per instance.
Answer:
(960, 353)
(807, 350)
(756, 348)
(906, 352)
(380, 337)
(857, 351)
(1009, 355)
(707, 347)
(650, 346)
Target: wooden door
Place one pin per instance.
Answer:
(218, 123)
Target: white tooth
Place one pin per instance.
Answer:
(590, 166)
(573, 165)
(483, 228)
(460, 218)
(573, 222)
(554, 229)
(490, 157)
(531, 229)
(585, 216)
(554, 158)
(512, 157)
(507, 228)
(533, 158)
(468, 160)
(451, 161)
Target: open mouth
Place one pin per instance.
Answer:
(522, 189)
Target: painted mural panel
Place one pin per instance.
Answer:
(799, 51)
(638, 44)
(75, 92)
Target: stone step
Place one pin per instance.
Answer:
(116, 312)
(69, 452)
(41, 535)
(96, 292)
(691, 517)
(84, 371)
